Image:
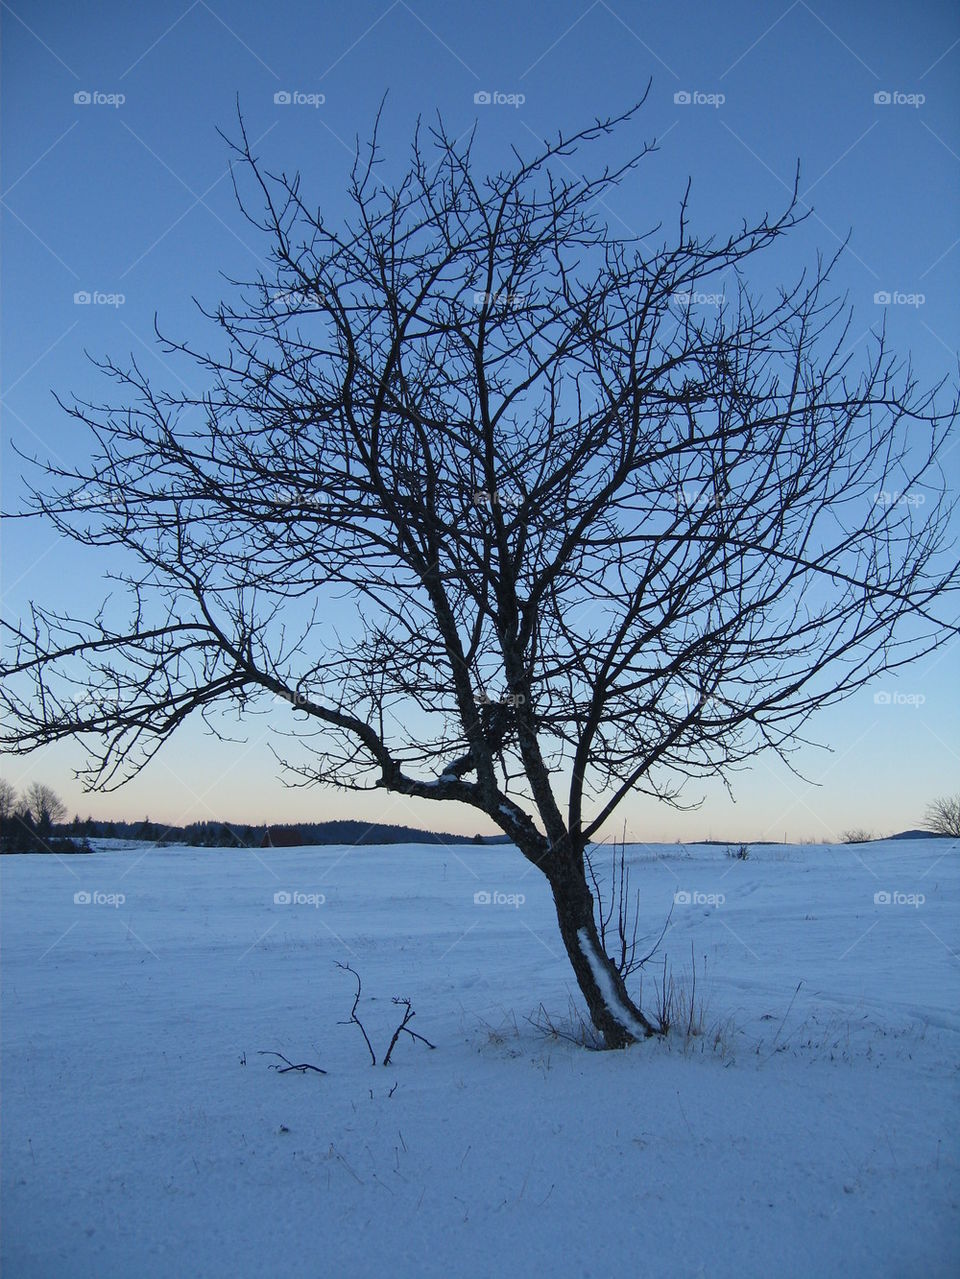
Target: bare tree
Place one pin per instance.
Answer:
(580, 537)
(45, 807)
(943, 816)
(8, 812)
(8, 801)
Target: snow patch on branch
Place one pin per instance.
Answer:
(445, 779)
(614, 1004)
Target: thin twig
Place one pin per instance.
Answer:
(353, 1012)
(408, 1015)
(785, 1016)
(302, 1066)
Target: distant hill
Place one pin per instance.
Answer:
(918, 834)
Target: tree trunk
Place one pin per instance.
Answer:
(612, 1011)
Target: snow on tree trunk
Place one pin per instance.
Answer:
(611, 1010)
(600, 967)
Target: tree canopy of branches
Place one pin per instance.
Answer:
(27, 821)
(943, 816)
(8, 801)
(45, 806)
(581, 537)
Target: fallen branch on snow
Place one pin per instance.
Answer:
(303, 1066)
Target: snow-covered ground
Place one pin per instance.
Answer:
(810, 1131)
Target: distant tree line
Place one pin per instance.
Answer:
(36, 822)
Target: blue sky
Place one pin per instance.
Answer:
(126, 197)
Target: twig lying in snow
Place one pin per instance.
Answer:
(303, 1066)
(408, 1015)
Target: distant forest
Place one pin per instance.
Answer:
(72, 836)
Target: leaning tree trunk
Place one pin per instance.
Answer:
(612, 1011)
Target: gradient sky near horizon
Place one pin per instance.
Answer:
(132, 199)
